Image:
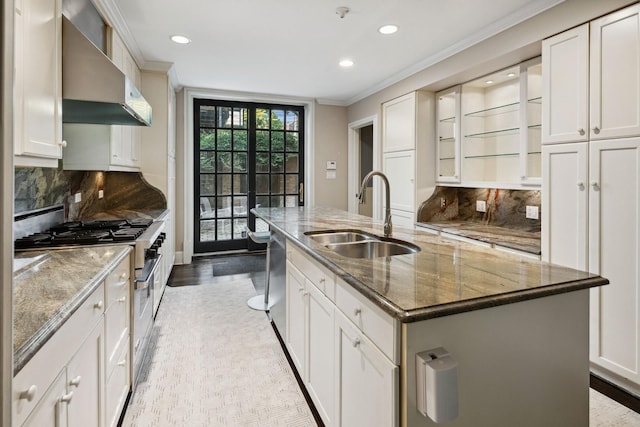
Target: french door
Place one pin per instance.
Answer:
(246, 155)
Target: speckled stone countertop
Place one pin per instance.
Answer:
(521, 240)
(444, 278)
(49, 286)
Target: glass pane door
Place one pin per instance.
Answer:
(247, 155)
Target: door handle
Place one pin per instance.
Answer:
(301, 192)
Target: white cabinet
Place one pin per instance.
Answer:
(591, 202)
(296, 317)
(85, 379)
(614, 253)
(408, 151)
(349, 384)
(367, 386)
(38, 83)
(592, 80)
(448, 135)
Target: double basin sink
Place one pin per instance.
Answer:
(360, 244)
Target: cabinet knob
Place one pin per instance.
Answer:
(581, 132)
(122, 362)
(304, 294)
(122, 299)
(322, 280)
(76, 381)
(357, 312)
(596, 130)
(356, 342)
(63, 143)
(29, 394)
(66, 398)
(580, 185)
(300, 289)
(595, 186)
(122, 277)
(98, 305)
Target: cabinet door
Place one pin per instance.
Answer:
(367, 382)
(399, 123)
(565, 74)
(564, 204)
(320, 381)
(399, 167)
(38, 85)
(296, 311)
(52, 408)
(85, 378)
(448, 137)
(614, 253)
(615, 75)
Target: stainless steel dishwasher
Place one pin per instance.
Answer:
(277, 280)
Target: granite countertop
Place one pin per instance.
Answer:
(446, 277)
(128, 214)
(49, 286)
(526, 241)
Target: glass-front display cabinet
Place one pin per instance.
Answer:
(448, 128)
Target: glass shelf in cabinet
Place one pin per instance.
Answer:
(501, 109)
(537, 100)
(499, 132)
(446, 139)
(448, 120)
(487, 156)
(447, 158)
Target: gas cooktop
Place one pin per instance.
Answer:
(85, 233)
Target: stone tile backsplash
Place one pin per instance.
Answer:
(504, 208)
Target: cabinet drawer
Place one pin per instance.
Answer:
(118, 385)
(117, 282)
(380, 327)
(321, 277)
(41, 371)
(116, 329)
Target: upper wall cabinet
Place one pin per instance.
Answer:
(501, 123)
(448, 137)
(591, 80)
(38, 83)
(399, 123)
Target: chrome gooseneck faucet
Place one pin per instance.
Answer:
(388, 227)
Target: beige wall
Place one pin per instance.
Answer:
(330, 143)
(506, 48)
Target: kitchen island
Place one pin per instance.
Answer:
(517, 327)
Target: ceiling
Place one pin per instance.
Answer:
(292, 47)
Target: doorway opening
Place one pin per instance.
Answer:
(364, 156)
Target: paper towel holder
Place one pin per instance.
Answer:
(437, 385)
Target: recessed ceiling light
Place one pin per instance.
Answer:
(489, 82)
(388, 29)
(346, 63)
(180, 39)
(511, 75)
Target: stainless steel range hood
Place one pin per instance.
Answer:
(94, 90)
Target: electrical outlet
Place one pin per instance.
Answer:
(481, 206)
(443, 203)
(100, 194)
(532, 212)
(77, 198)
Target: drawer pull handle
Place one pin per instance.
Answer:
(122, 299)
(30, 393)
(580, 185)
(76, 381)
(357, 312)
(66, 398)
(581, 132)
(595, 185)
(98, 305)
(596, 130)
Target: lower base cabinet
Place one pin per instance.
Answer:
(367, 382)
(349, 379)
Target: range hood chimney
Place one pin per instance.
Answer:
(94, 90)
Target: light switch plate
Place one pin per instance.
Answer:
(532, 212)
(481, 206)
(332, 165)
(77, 198)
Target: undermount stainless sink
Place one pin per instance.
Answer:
(339, 236)
(360, 244)
(373, 249)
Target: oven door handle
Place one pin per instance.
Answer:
(143, 282)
